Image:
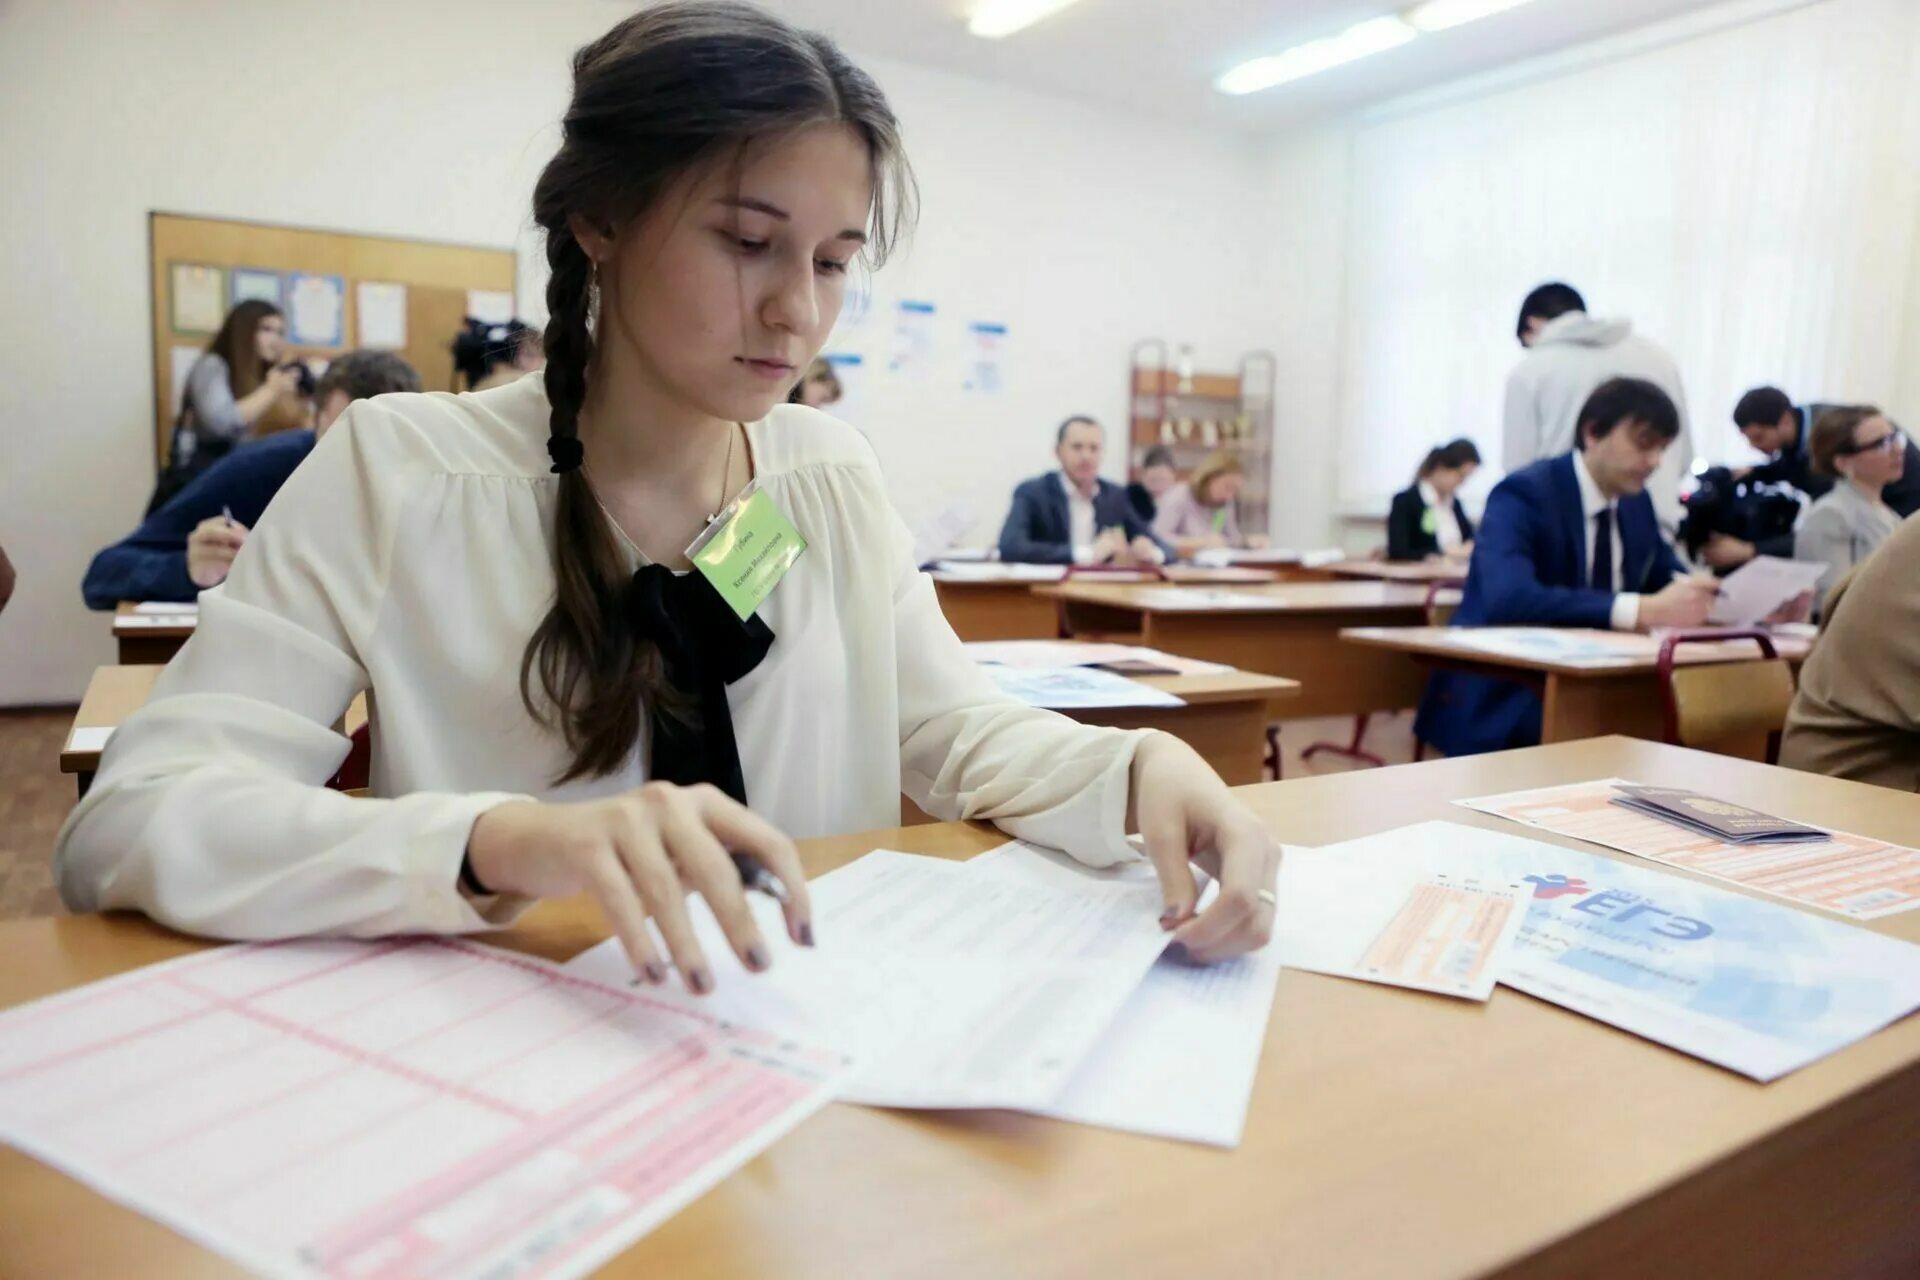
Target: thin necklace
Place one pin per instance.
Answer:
(726, 473)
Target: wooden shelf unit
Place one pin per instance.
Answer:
(1199, 413)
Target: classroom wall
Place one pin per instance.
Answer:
(1078, 229)
(1741, 183)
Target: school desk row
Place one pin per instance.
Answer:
(1390, 1133)
(1337, 649)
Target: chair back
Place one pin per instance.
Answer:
(1734, 708)
(1440, 610)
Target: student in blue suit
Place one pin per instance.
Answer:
(1072, 516)
(189, 543)
(1570, 541)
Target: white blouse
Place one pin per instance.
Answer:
(410, 555)
(1446, 524)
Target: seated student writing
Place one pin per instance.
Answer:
(1157, 475)
(1427, 520)
(559, 701)
(1570, 541)
(190, 542)
(1072, 516)
(1199, 515)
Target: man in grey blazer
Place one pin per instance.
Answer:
(1072, 516)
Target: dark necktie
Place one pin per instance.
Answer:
(1602, 575)
(704, 647)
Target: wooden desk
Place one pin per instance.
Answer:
(1390, 1133)
(1225, 720)
(1290, 630)
(114, 693)
(145, 639)
(1580, 701)
(983, 608)
(1421, 571)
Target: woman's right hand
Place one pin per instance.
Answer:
(639, 854)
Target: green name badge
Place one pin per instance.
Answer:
(747, 550)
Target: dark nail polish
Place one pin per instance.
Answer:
(699, 982)
(1169, 918)
(806, 934)
(757, 958)
(656, 972)
(1177, 952)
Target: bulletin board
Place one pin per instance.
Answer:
(417, 295)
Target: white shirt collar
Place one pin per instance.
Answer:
(1074, 494)
(1429, 495)
(1592, 501)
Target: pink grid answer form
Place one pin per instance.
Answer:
(398, 1108)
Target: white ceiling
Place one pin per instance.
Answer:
(1158, 58)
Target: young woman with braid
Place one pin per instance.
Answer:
(557, 705)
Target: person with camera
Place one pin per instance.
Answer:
(240, 378)
(189, 544)
(1783, 431)
(1571, 541)
(493, 355)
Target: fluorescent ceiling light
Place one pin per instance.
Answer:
(1376, 35)
(995, 18)
(1438, 15)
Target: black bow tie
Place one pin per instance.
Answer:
(704, 647)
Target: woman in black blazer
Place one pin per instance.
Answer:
(1416, 525)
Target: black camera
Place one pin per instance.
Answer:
(1745, 509)
(302, 377)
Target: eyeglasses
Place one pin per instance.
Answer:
(1892, 442)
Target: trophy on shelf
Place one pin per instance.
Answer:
(1210, 433)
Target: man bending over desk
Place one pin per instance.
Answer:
(1072, 516)
(1570, 541)
(189, 543)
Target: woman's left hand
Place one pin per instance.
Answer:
(1186, 815)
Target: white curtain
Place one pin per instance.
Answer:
(1749, 198)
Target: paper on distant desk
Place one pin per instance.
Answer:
(1178, 1061)
(143, 621)
(167, 608)
(1855, 876)
(955, 989)
(996, 571)
(937, 536)
(1555, 644)
(1197, 598)
(89, 737)
(414, 1107)
(1751, 593)
(1751, 985)
(1076, 688)
(1074, 653)
(1444, 927)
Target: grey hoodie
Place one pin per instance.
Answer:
(1573, 355)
